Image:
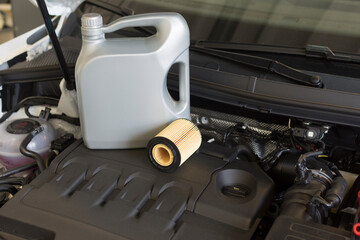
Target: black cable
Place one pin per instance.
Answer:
(8, 188)
(18, 170)
(55, 42)
(31, 101)
(13, 181)
(41, 99)
(64, 117)
(32, 154)
(27, 112)
(207, 184)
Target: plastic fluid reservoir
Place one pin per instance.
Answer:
(13, 132)
(121, 83)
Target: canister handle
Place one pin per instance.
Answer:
(163, 22)
(184, 84)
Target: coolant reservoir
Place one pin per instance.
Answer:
(13, 132)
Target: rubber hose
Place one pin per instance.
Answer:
(32, 154)
(244, 149)
(13, 180)
(18, 169)
(336, 193)
(8, 188)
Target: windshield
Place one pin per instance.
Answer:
(293, 23)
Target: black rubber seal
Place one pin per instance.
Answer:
(22, 126)
(177, 157)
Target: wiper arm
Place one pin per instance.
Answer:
(266, 64)
(316, 51)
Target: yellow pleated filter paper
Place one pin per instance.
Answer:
(174, 145)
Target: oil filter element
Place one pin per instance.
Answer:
(170, 148)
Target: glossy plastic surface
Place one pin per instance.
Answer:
(10, 155)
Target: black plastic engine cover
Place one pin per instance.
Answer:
(118, 194)
(290, 228)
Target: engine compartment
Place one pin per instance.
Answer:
(279, 157)
(250, 179)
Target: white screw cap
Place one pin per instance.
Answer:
(91, 20)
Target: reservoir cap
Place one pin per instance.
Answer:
(22, 126)
(91, 20)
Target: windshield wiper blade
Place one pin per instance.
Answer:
(327, 53)
(314, 51)
(265, 64)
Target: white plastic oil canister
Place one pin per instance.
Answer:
(121, 83)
